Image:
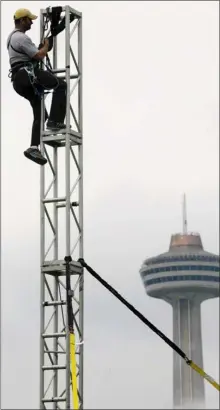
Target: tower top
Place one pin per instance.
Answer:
(185, 228)
(186, 240)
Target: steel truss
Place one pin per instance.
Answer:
(61, 202)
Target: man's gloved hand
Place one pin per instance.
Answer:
(50, 40)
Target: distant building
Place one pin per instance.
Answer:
(184, 276)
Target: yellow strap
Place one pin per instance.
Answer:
(205, 375)
(73, 372)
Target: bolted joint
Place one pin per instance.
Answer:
(71, 293)
(68, 259)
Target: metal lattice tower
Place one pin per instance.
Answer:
(61, 201)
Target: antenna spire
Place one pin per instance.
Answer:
(184, 215)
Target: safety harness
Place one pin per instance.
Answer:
(28, 66)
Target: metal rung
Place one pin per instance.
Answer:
(63, 70)
(60, 141)
(54, 262)
(72, 76)
(54, 367)
(63, 205)
(54, 303)
(59, 268)
(62, 132)
(53, 200)
(51, 142)
(58, 133)
(54, 352)
(61, 263)
(52, 335)
(59, 70)
(54, 400)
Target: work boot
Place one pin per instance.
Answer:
(35, 155)
(56, 126)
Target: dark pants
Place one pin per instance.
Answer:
(46, 80)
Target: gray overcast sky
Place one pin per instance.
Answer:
(151, 81)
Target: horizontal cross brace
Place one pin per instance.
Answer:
(53, 200)
(64, 205)
(54, 352)
(63, 70)
(60, 141)
(58, 267)
(53, 335)
(54, 367)
(54, 400)
(54, 303)
(63, 131)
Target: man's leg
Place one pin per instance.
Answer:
(58, 107)
(35, 102)
(22, 87)
(33, 152)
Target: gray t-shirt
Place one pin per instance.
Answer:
(22, 43)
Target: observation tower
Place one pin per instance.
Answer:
(185, 276)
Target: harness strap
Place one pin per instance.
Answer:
(10, 45)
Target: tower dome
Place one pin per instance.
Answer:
(184, 270)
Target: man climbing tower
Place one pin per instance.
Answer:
(29, 80)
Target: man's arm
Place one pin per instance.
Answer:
(31, 50)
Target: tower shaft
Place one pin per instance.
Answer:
(188, 386)
(61, 199)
